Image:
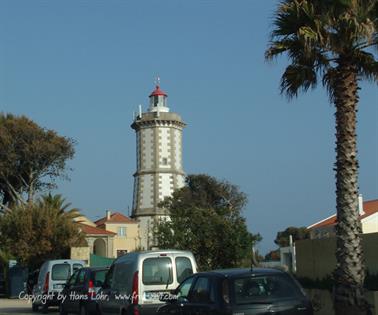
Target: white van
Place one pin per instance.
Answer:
(135, 281)
(52, 277)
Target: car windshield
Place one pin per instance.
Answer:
(61, 272)
(157, 271)
(264, 289)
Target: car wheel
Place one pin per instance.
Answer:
(34, 307)
(83, 310)
(62, 311)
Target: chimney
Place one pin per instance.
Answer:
(360, 205)
(108, 214)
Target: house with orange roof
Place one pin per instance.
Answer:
(368, 215)
(111, 236)
(125, 234)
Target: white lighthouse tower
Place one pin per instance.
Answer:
(159, 162)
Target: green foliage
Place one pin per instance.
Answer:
(31, 157)
(5, 256)
(206, 219)
(35, 232)
(298, 233)
(318, 35)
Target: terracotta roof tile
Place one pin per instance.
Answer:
(87, 229)
(115, 218)
(370, 207)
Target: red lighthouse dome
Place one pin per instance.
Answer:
(158, 92)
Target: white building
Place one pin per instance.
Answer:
(159, 162)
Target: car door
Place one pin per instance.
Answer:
(67, 292)
(202, 299)
(109, 303)
(78, 290)
(175, 304)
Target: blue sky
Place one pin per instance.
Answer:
(82, 67)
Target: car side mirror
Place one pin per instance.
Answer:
(182, 299)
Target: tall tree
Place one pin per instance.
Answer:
(205, 217)
(42, 230)
(31, 157)
(335, 41)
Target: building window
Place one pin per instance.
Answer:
(165, 161)
(122, 231)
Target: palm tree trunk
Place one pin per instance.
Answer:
(350, 269)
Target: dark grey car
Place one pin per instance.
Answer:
(238, 291)
(80, 291)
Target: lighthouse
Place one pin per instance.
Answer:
(159, 168)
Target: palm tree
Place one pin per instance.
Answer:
(335, 42)
(59, 206)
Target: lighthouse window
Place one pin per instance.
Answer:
(156, 100)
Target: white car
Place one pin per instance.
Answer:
(52, 277)
(136, 281)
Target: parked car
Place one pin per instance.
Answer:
(238, 291)
(52, 278)
(135, 281)
(81, 290)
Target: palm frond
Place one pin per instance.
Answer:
(329, 80)
(297, 78)
(367, 65)
(317, 34)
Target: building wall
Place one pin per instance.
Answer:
(80, 253)
(370, 224)
(130, 242)
(316, 258)
(159, 166)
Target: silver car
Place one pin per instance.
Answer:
(135, 282)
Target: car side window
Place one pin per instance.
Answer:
(122, 280)
(81, 277)
(76, 267)
(184, 288)
(72, 279)
(201, 291)
(109, 278)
